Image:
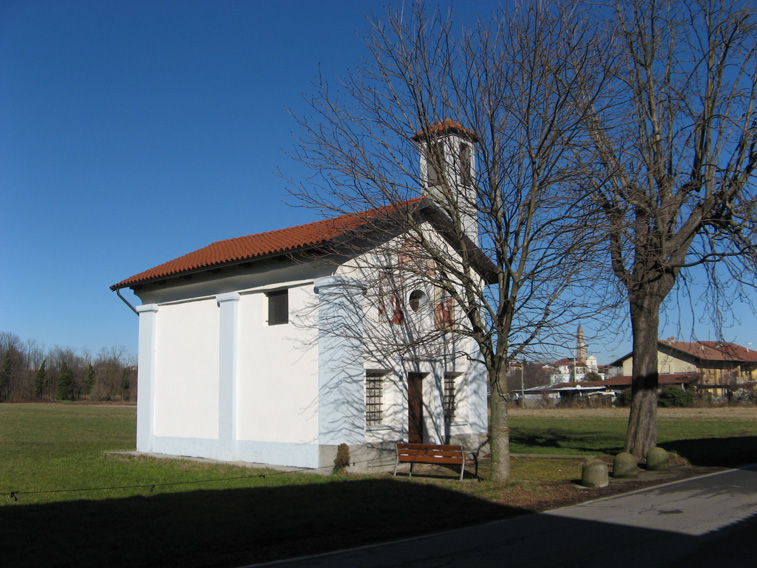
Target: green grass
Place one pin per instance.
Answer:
(60, 452)
(91, 507)
(703, 440)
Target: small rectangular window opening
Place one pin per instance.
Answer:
(436, 164)
(278, 307)
(466, 171)
(374, 398)
(389, 299)
(444, 311)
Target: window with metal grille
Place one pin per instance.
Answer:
(449, 397)
(373, 398)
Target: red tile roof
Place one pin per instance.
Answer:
(444, 127)
(569, 361)
(714, 350)
(705, 351)
(242, 249)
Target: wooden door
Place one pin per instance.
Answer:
(415, 408)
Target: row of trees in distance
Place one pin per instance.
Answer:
(30, 372)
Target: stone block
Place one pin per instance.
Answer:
(624, 466)
(594, 474)
(658, 460)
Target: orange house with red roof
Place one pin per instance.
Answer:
(719, 365)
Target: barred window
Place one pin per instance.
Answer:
(449, 396)
(374, 398)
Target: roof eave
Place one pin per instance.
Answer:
(210, 268)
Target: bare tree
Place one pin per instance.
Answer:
(109, 368)
(673, 154)
(527, 375)
(14, 373)
(490, 110)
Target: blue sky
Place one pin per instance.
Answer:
(133, 132)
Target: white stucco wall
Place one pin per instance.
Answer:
(221, 382)
(186, 394)
(277, 385)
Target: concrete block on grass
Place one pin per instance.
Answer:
(658, 460)
(624, 466)
(594, 474)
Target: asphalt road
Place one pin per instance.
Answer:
(705, 521)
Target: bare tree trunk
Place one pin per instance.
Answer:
(642, 421)
(499, 424)
(674, 137)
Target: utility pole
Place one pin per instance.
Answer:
(522, 393)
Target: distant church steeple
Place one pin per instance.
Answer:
(580, 345)
(448, 169)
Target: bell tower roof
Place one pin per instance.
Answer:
(443, 128)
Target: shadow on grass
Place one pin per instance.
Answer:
(561, 440)
(726, 452)
(232, 527)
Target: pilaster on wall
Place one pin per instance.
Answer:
(148, 323)
(227, 374)
(478, 383)
(341, 382)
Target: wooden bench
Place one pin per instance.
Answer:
(430, 453)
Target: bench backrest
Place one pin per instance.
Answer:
(430, 453)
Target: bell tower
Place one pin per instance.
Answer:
(448, 170)
(580, 345)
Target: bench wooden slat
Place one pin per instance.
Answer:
(414, 446)
(431, 454)
(423, 459)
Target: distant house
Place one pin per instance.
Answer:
(574, 369)
(588, 392)
(570, 369)
(718, 366)
(271, 348)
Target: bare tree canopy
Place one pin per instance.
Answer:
(671, 164)
(491, 111)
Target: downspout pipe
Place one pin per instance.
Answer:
(125, 301)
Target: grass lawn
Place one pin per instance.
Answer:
(703, 436)
(80, 505)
